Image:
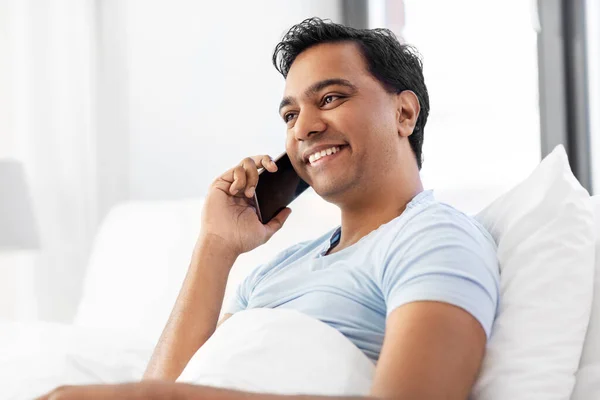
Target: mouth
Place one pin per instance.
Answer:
(324, 155)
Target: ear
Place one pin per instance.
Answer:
(408, 109)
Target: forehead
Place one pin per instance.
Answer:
(325, 61)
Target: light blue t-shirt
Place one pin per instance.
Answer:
(430, 252)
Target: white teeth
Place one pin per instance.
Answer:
(319, 154)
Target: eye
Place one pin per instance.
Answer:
(288, 117)
(330, 98)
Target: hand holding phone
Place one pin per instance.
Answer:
(230, 209)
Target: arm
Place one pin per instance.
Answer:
(230, 227)
(431, 351)
(194, 316)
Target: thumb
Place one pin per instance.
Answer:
(277, 222)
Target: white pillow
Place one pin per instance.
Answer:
(138, 262)
(281, 351)
(142, 252)
(588, 376)
(545, 235)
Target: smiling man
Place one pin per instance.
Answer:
(355, 108)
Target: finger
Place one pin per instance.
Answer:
(277, 222)
(228, 179)
(265, 161)
(269, 164)
(239, 180)
(251, 176)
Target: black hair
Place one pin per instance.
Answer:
(396, 65)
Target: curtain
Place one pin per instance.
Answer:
(51, 73)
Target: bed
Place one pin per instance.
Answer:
(113, 334)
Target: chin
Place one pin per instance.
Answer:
(334, 191)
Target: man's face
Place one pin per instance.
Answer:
(333, 104)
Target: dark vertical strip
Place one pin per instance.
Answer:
(563, 83)
(577, 99)
(551, 76)
(355, 13)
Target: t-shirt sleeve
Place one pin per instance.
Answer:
(447, 258)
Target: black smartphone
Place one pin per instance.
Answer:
(275, 190)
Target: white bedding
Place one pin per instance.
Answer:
(295, 354)
(280, 351)
(36, 357)
(588, 383)
(262, 350)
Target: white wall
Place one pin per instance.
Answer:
(201, 90)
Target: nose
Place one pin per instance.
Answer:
(308, 123)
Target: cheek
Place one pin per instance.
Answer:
(292, 151)
(380, 122)
(375, 138)
(290, 145)
(367, 119)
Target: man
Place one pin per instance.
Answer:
(355, 107)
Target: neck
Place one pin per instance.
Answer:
(380, 205)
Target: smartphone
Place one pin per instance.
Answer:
(276, 190)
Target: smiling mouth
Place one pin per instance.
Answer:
(323, 155)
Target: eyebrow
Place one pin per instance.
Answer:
(317, 87)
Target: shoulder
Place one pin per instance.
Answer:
(442, 254)
(444, 218)
(434, 224)
(435, 235)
